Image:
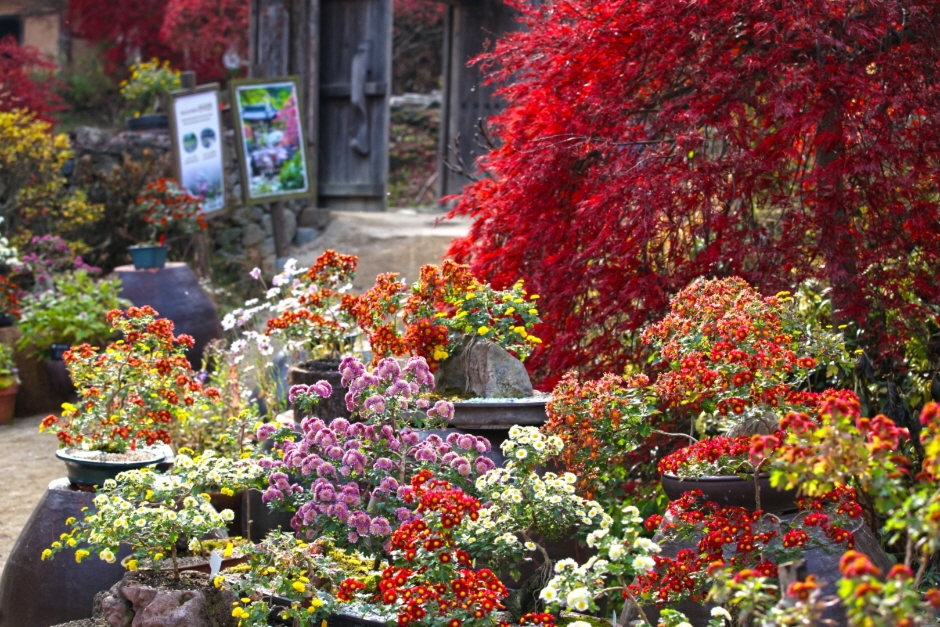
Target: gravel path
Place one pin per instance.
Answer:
(27, 466)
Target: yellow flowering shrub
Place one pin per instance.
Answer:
(34, 198)
(148, 81)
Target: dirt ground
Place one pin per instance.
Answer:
(395, 241)
(27, 465)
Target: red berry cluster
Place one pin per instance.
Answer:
(431, 575)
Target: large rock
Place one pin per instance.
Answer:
(486, 369)
(152, 600)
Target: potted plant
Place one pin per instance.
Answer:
(473, 335)
(350, 479)
(305, 313)
(144, 90)
(130, 393)
(73, 312)
(738, 362)
(153, 515)
(9, 384)
(165, 206)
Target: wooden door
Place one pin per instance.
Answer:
(469, 25)
(355, 83)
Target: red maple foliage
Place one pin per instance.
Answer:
(128, 30)
(649, 142)
(26, 80)
(203, 31)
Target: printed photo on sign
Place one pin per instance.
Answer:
(271, 139)
(200, 160)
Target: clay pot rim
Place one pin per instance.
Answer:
(158, 456)
(501, 404)
(714, 478)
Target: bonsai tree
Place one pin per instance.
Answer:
(147, 510)
(133, 390)
(303, 308)
(446, 307)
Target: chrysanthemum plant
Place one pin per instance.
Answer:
(307, 575)
(351, 480)
(432, 581)
(735, 361)
(303, 309)
(131, 392)
(147, 510)
(445, 307)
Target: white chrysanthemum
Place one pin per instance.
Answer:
(554, 499)
(643, 563)
(647, 545)
(107, 556)
(522, 453)
(530, 546)
(548, 594)
(579, 599)
(565, 564)
(615, 552)
(720, 612)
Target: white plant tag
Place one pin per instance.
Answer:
(215, 563)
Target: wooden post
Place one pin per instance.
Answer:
(188, 80)
(279, 226)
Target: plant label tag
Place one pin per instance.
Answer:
(215, 563)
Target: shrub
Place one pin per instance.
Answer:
(26, 81)
(774, 142)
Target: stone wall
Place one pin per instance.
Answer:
(241, 234)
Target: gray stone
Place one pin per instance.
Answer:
(267, 224)
(305, 235)
(167, 608)
(243, 216)
(142, 600)
(267, 247)
(253, 236)
(314, 218)
(290, 225)
(486, 369)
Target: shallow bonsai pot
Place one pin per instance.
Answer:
(499, 413)
(153, 122)
(83, 471)
(732, 491)
(147, 257)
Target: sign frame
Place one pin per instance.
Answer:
(179, 150)
(245, 165)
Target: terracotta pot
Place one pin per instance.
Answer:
(91, 472)
(308, 373)
(733, 491)
(8, 404)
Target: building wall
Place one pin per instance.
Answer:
(41, 22)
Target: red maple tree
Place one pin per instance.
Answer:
(203, 31)
(649, 142)
(128, 30)
(26, 80)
